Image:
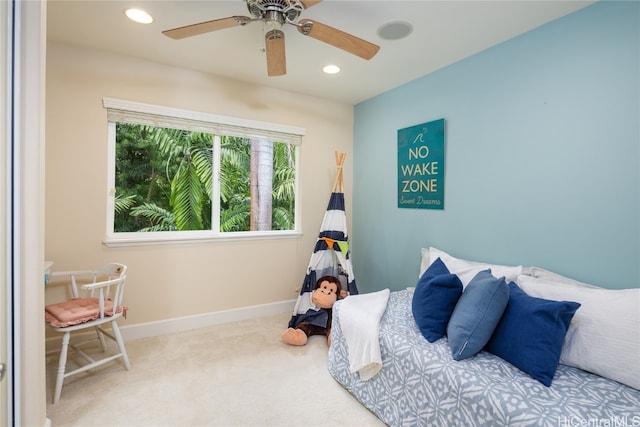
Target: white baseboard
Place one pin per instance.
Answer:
(187, 323)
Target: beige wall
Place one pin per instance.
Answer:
(168, 281)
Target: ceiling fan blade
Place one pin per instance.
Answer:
(308, 3)
(276, 59)
(337, 38)
(206, 27)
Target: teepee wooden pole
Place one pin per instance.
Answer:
(337, 182)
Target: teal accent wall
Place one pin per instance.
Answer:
(542, 137)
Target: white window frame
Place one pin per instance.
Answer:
(160, 116)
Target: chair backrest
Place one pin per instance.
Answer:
(108, 285)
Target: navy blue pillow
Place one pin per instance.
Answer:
(434, 299)
(477, 314)
(531, 333)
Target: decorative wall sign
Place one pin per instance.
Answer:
(421, 166)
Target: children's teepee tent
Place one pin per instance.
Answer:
(330, 255)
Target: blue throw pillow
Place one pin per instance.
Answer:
(477, 314)
(531, 333)
(434, 299)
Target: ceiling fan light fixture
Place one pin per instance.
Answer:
(139, 16)
(273, 19)
(331, 69)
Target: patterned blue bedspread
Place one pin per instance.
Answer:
(421, 385)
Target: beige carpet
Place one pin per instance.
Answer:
(237, 374)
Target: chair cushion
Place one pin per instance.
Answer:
(75, 311)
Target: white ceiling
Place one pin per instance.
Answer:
(443, 32)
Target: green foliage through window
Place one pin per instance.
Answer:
(164, 181)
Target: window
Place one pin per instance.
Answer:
(181, 175)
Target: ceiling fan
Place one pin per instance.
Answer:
(274, 14)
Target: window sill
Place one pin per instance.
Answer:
(135, 239)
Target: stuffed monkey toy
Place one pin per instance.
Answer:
(323, 297)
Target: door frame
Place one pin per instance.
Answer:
(22, 95)
(5, 315)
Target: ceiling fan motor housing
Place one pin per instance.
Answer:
(275, 11)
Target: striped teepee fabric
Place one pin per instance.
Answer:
(330, 255)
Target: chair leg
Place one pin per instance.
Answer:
(103, 342)
(120, 341)
(62, 364)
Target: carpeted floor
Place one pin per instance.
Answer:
(238, 374)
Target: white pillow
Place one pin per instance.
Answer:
(425, 261)
(604, 336)
(550, 276)
(466, 270)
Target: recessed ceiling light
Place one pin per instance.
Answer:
(331, 69)
(138, 15)
(395, 30)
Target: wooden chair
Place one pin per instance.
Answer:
(96, 299)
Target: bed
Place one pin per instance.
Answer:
(420, 383)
